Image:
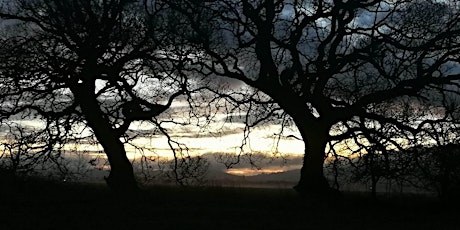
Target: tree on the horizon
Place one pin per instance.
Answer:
(339, 69)
(104, 65)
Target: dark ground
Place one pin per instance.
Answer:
(45, 205)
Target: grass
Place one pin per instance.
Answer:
(47, 205)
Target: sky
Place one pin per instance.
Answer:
(227, 139)
(220, 138)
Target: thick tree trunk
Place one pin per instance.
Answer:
(312, 179)
(121, 177)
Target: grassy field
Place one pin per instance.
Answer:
(44, 205)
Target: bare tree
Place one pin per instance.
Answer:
(435, 167)
(332, 65)
(105, 65)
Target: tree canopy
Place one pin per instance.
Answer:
(339, 69)
(87, 63)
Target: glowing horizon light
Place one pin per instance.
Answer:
(267, 170)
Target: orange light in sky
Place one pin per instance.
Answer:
(252, 172)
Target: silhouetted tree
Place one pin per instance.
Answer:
(374, 159)
(88, 63)
(436, 167)
(332, 65)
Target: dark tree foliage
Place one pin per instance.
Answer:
(340, 69)
(73, 64)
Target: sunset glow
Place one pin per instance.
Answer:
(266, 170)
(252, 172)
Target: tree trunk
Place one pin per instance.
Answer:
(121, 177)
(312, 180)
